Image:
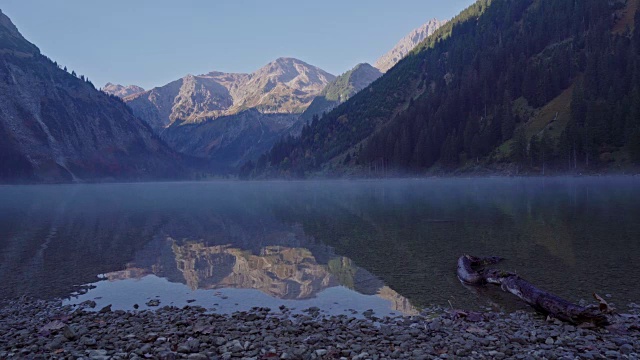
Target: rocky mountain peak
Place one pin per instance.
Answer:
(363, 74)
(406, 44)
(283, 86)
(120, 90)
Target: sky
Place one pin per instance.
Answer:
(152, 42)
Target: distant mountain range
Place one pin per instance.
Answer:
(56, 127)
(63, 129)
(406, 44)
(228, 119)
(284, 86)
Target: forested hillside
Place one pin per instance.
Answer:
(341, 89)
(509, 86)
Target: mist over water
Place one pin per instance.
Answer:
(342, 244)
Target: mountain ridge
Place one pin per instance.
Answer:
(56, 127)
(341, 89)
(285, 85)
(121, 91)
(407, 44)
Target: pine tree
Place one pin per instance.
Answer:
(519, 146)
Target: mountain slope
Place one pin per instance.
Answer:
(473, 97)
(229, 141)
(55, 127)
(341, 89)
(406, 44)
(284, 86)
(122, 91)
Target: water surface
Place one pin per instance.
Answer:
(343, 246)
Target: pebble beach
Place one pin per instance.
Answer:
(38, 329)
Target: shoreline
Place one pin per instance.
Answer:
(46, 329)
(345, 177)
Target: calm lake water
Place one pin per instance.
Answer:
(343, 246)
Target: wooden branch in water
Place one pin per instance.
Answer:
(542, 301)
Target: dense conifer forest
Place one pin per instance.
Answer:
(517, 86)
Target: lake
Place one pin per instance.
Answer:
(343, 246)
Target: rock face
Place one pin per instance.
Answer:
(229, 141)
(122, 91)
(341, 89)
(284, 86)
(55, 127)
(404, 46)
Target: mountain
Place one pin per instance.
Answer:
(406, 44)
(229, 141)
(56, 127)
(508, 86)
(284, 86)
(341, 89)
(122, 91)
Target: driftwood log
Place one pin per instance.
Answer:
(471, 272)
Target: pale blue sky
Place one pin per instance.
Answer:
(152, 42)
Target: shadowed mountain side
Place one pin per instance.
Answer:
(56, 127)
(341, 89)
(230, 141)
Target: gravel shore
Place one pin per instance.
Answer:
(46, 329)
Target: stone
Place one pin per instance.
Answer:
(626, 349)
(612, 354)
(89, 303)
(194, 345)
(197, 357)
(88, 341)
(55, 344)
(167, 355)
(68, 333)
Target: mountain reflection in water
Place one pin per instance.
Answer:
(278, 271)
(393, 240)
